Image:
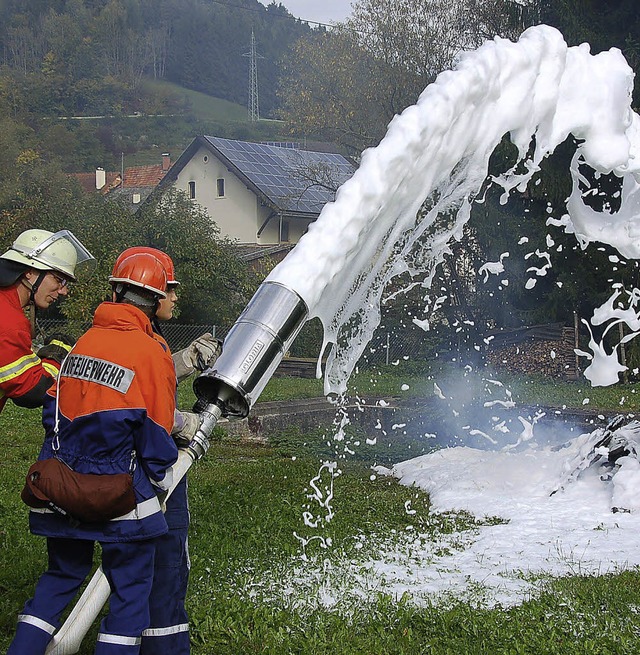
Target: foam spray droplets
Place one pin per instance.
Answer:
(435, 156)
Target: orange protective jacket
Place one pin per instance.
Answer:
(114, 409)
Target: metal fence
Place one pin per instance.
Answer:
(384, 348)
(178, 335)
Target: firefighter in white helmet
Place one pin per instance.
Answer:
(34, 272)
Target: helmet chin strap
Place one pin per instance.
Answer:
(31, 306)
(33, 288)
(155, 323)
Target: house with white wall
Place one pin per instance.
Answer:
(258, 193)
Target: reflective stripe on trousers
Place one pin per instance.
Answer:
(70, 561)
(128, 568)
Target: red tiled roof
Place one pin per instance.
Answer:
(134, 177)
(142, 176)
(88, 180)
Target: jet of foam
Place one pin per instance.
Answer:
(538, 90)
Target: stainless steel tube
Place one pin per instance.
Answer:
(253, 349)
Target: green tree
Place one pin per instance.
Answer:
(215, 284)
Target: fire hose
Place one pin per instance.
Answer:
(251, 353)
(96, 593)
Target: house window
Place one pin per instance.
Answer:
(220, 187)
(284, 231)
(192, 190)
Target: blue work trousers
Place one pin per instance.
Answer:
(129, 569)
(168, 633)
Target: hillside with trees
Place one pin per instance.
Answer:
(64, 61)
(144, 64)
(83, 57)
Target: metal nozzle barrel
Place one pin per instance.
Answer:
(252, 350)
(199, 445)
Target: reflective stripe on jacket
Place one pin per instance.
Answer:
(20, 368)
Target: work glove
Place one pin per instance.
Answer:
(54, 351)
(200, 354)
(185, 426)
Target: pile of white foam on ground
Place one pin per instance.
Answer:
(573, 531)
(537, 537)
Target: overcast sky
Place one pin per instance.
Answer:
(321, 11)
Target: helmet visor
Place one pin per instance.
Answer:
(64, 253)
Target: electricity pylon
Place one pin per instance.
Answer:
(253, 103)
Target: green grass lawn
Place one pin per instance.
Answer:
(202, 106)
(388, 381)
(252, 591)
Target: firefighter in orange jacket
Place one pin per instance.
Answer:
(34, 273)
(112, 412)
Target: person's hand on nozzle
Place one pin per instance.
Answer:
(199, 355)
(185, 426)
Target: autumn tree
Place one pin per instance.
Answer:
(347, 84)
(324, 91)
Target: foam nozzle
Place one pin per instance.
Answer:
(252, 350)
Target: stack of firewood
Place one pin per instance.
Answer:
(550, 358)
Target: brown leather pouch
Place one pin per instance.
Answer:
(86, 497)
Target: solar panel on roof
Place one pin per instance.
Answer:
(282, 173)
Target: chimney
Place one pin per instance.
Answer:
(166, 162)
(101, 178)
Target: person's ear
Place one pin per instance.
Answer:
(31, 275)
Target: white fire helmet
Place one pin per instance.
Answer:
(49, 251)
